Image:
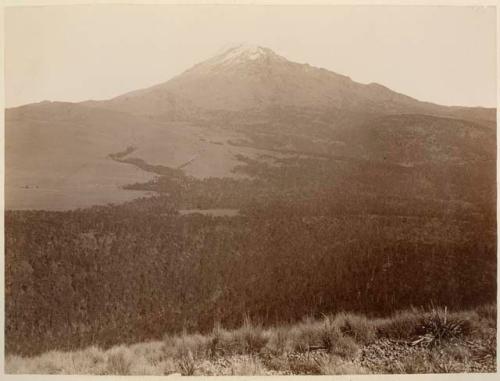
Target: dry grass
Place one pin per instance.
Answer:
(280, 341)
(436, 341)
(488, 312)
(304, 365)
(400, 326)
(360, 328)
(250, 338)
(119, 361)
(336, 365)
(247, 366)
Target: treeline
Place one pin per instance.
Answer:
(344, 186)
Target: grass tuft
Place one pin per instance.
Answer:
(438, 326)
(119, 361)
(279, 341)
(250, 338)
(400, 326)
(360, 328)
(187, 363)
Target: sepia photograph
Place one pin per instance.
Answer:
(250, 190)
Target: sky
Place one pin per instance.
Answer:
(440, 54)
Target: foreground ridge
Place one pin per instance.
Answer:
(412, 341)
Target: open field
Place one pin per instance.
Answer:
(58, 154)
(411, 341)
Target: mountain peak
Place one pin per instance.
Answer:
(237, 55)
(246, 51)
(252, 77)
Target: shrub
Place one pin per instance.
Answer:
(326, 334)
(250, 338)
(218, 341)
(186, 363)
(118, 361)
(356, 326)
(153, 352)
(338, 334)
(279, 341)
(330, 333)
(400, 326)
(91, 360)
(344, 347)
(52, 362)
(437, 326)
(176, 346)
(187, 349)
(305, 335)
(244, 340)
(489, 313)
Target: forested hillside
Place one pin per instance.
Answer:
(301, 244)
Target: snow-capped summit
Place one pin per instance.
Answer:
(238, 55)
(244, 52)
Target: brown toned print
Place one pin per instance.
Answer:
(321, 201)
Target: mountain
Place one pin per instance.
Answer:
(249, 77)
(247, 102)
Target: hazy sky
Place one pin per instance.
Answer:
(441, 54)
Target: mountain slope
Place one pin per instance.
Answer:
(245, 102)
(56, 156)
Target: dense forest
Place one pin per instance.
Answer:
(312, 236)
